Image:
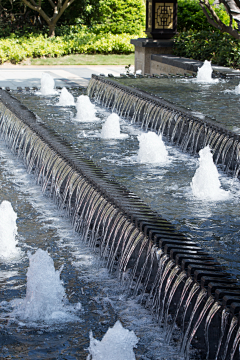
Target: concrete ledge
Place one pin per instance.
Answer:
(167, 63)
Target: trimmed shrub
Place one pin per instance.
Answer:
(220, 48)
(16, 49)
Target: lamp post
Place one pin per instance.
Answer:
(161, 19)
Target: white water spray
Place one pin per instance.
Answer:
(45, 295)
(47, 85)
(111, 128)
(151, 149)
(86, 111)
(8, 231)
(205, 183)
(235, 91)
(117, 344)
(66, 98)
(204, 73)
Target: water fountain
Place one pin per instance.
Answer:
(205, 183)
(66, 98)
(47, 85)
(168, 271)
(116, 344)
(45, 295)
(151, 149)
(111, 128)
(8, 231)
(204, 74)
(85, 109)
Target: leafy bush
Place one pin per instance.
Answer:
(16, 49)
(220, 48)
(101, 16)
(191, 16)
(121, 16)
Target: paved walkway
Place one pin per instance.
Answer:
(14, 76)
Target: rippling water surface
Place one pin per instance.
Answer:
(216, 100)
(104, 301)
(215, 225)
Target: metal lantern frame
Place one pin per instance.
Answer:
(161, 18)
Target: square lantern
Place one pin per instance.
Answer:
(161, 19)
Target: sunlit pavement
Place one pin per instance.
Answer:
(14, 76)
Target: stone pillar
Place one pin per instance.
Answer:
(144, 48)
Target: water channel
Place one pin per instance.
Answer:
(165, 187)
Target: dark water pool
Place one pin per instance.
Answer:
(166, 188)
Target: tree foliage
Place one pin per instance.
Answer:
(191, 16)
(231, 6)
(101, 16)
(57, 9)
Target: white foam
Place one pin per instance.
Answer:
(151, 149)
(45, 295)
(205, 183)
(235, 91)
(47, 85)
(111, 128)
(204, 73)
(8, 231)
(117, 344)
(86, 111)
(66, 98)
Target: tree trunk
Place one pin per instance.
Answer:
(51, 32)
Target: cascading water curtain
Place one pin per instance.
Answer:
(146, 270)
(151, 113)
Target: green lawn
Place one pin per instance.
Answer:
(82, 59)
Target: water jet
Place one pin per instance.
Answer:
(113, 219)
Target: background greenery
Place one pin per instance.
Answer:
(197, 39)
(191, 16)
(115, 16)
(221, 49)
(106, 27)
(86, 27)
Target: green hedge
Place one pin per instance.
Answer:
(102, 16)
(16, 49)
(220, 48)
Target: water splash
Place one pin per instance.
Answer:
(151, 149)
(8, 231)
(235, 91)
(85, 109)
(204, 73)
(47, 85)
(111, 128)
(66, 98)
(117, 344)
(205, 183)
(45, 295)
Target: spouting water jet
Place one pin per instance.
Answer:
(66, 98)
(45, 295)
(47, 85)
(111, 128)
(117, 344)
(151, 149)
(8, 231)
(205, 183)
(85, 109)
(204, 74)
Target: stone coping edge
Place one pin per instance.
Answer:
(191, 65)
